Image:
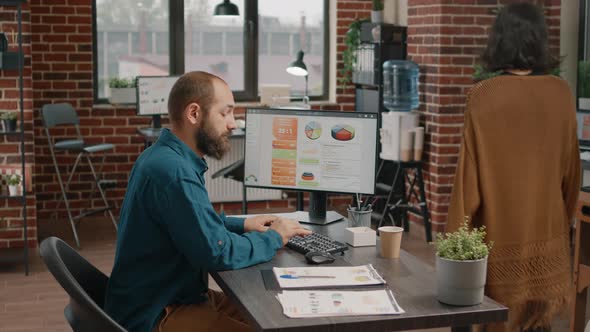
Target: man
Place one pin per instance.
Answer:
(170, 236)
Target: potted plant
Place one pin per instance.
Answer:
(8, 121)
(351, 41)
(13, 182)
(461, 265)
(123, 91)
(377, 12)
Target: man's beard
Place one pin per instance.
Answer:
(210, 143)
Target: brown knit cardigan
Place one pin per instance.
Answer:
(519, 175)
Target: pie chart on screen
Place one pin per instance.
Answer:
(313, 130)
(307, 176)
(342, 132)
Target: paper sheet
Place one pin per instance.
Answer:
(300, 304)
(306, 277)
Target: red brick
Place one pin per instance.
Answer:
(79, 20)
(49, 19)
(62, 10)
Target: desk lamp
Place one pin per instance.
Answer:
(298, 68)
(226, 8)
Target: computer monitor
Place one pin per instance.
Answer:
(315, 151)
(152, 96)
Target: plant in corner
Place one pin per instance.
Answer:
(12, 181)
(584, 79)
(8, 121)
(123, 90)
(351, 41)
(461, 265)
(377, 12)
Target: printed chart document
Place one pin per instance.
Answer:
(306, 277)
(300, 304)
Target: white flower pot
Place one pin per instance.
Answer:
(13, 190)
(461, 282)
(376, 16)
(123, 96)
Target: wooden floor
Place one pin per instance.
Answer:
(36, 303)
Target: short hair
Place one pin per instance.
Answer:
(518, 40)
(192, 87)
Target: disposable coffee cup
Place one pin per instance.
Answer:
(391, 241)
(418, 142)
(407, 144)
(358, 218)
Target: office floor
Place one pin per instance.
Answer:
(35, 303)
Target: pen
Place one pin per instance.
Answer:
(292, 276)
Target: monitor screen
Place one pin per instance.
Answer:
(152, 94)
(329, 151)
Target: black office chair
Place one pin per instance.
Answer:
(85, 285)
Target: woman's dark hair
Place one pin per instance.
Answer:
(518, 40)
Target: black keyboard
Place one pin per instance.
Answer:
(316, 242)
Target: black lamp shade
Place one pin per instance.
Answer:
(226, 8)
(298, 67)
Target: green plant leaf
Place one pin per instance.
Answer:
(116, 82)
(8, 116)
(377, 5)
(464, 244)
(351, 41)
(12, 180)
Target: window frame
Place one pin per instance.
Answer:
(251, 42)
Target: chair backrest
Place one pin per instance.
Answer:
(59, 114)
(84, 283)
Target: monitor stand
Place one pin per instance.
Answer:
(156, 121)
(317, 211)
(155, 129)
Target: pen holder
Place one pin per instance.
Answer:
(359, 218)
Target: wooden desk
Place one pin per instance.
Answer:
(412, 282)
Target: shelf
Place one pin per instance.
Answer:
(12, 197)
(16, 61)
(9, 133)
(11, 2)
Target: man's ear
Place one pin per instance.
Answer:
(192, 112)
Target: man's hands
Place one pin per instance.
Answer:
(286, 228)
(258, 223)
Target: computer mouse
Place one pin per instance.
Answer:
(319, 257)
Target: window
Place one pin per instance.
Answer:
(170, 37)
(131, 39)
(222, 51)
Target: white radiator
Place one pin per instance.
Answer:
(228, 190)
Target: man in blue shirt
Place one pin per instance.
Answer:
(170, 236)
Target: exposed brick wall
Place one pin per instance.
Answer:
(11, 221)
(347, 12)
(62, 72)
(446, 38)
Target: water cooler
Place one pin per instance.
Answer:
(378, 43)
(399, 134)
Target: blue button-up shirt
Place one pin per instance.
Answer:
(170, 236)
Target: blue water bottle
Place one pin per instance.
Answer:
(400, 85)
